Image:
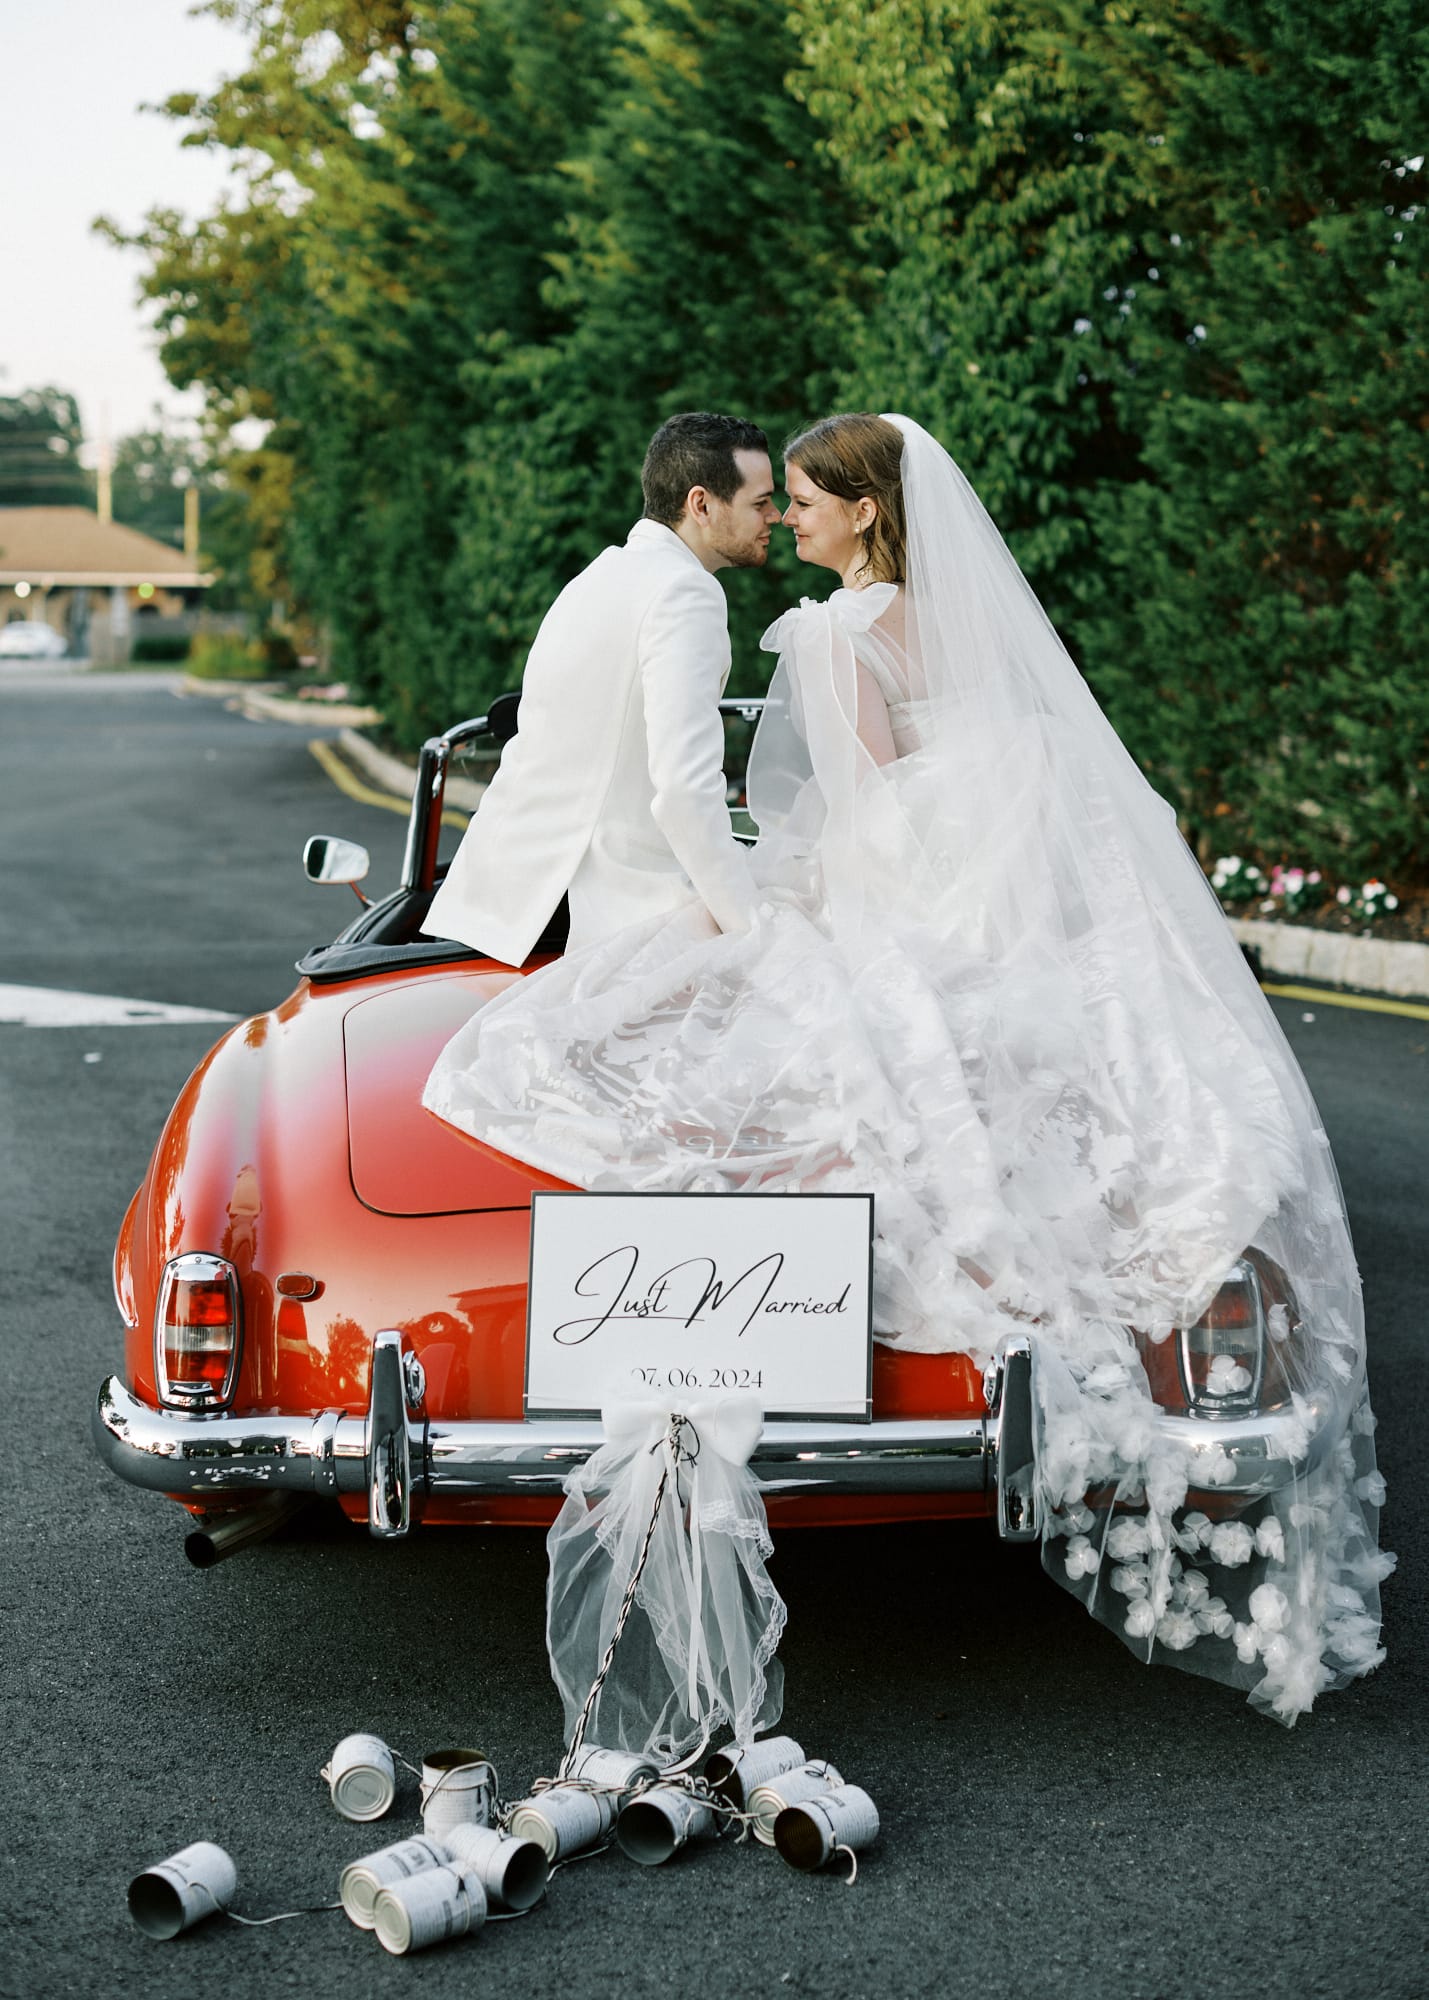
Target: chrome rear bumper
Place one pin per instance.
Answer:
(397, 1451)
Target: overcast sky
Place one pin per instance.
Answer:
(74, 144)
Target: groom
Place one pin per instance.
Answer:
(613, 789)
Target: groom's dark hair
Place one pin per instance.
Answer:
(694, 449)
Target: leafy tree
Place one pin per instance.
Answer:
(1254, 619)
(997, 200)
(40, 440)
(702, 264)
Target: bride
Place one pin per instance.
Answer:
(988, 982)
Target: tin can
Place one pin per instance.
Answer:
(173, 1895)
(622, 1770)
(360, 1882)
(660, 1821)
(426, 1909)
(564, 1820)
(361, 1776)
(457, 1790)
(791, 1788)
(513, 1872)
(808, 1833)
(735, 1772)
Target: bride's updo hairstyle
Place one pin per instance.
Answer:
(859, 457)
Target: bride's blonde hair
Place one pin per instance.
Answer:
(858, 456)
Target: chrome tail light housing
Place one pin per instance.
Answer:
(198, 1332)
(1239, 1356)
(1221, 1358)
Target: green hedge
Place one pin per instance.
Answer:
(1155, 275)
(160, 646)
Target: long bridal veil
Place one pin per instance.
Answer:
(989, 983)
(1156, 1184)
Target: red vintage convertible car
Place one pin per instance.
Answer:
(323, 1288)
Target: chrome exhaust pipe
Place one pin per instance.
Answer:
(210, 1542)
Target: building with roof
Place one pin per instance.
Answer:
(92, 579)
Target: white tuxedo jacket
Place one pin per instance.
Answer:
(613, 788)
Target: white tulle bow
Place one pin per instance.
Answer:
(729, 1425)
(732, 1425)
(662, 1622)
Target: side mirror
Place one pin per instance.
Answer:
(328, 859)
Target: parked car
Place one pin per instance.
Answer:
(323, 1287)
(31, 639)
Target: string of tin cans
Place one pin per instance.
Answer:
(478, 1858)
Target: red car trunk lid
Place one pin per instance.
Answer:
(405, 1160)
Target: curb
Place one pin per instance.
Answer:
(399, 778)
(263, 701)
(1374, 965)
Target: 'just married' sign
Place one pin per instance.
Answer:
(692, 1295)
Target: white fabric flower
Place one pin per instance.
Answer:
(1166, 1484)
(1372, 1488)
(1141, 1618)
(1195, 1530)
(1269, 1607)
(1247, 1642)
(1128, 1537)
(1231, 1543)
(1195, 1585)
(1227, 1377)
(1082, 1558)
(1129, 1579)
(1270, 1539)
(1177, 1631)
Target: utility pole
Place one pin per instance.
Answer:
(191, 522)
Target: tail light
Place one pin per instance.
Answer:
(1239, 1354)
(197, 1332)
(1222, 1357)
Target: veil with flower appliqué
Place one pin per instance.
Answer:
(1110, 1124)
(989, 984)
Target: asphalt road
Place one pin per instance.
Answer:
(1057, 1818)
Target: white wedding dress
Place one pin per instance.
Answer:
(988, 982)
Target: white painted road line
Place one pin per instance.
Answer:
(55, 1007)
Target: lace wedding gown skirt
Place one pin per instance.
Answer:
(1071, 1123)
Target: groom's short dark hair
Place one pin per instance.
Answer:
(694, 449)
